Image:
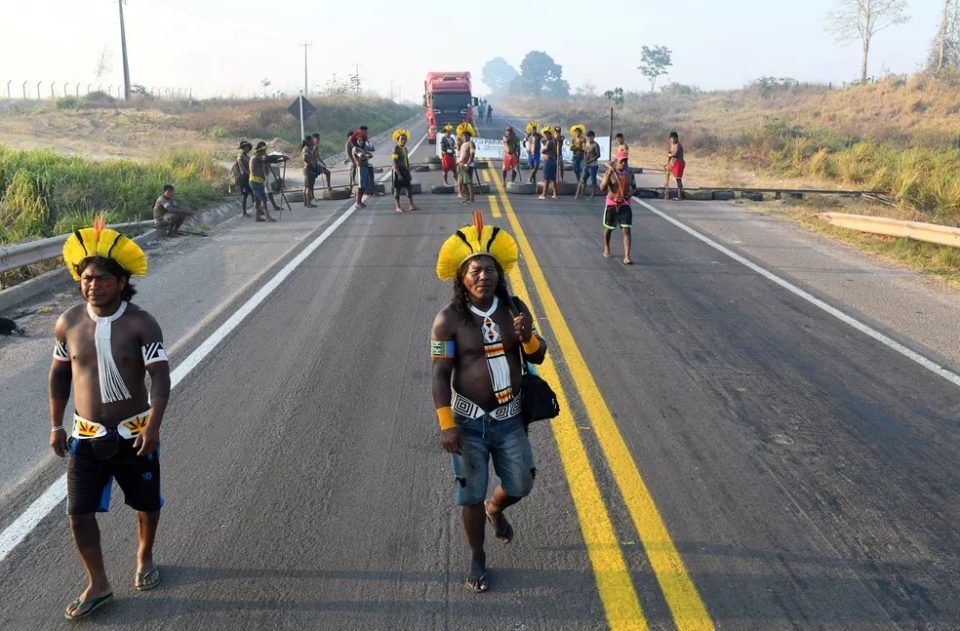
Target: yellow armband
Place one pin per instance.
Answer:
(532, 346)
(445, 414)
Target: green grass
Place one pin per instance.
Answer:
(44, 193)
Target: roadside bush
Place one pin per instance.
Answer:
(68, 103)
(43, 193)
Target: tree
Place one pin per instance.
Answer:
(945, 51)
(862, 19)
(654, 63)
(498, 74)
(540, 75)
(615, 96)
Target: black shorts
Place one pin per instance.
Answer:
(621, 215)
(309, 177)
(400, 183)
(90, 477)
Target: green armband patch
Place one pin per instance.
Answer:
(442, 349)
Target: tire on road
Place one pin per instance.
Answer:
(647, 193)
(563, 188)
(698, 196)
(522, 188)
(754, 196)
(441, 189)
(337, 193)
(421, 168)
(723, 195)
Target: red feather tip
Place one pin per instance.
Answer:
(99, 224)
(478, 222)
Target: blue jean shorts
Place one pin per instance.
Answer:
(259, 191)
(533, 160)
(505, 442)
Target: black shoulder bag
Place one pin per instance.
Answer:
(538, 402)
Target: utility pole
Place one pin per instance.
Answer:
(123, 46)
(357, 66)
(305, 84)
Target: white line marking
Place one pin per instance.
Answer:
(23, 525)
(927, 363)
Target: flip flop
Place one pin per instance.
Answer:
(140, 580)
(94, 603)
(502, 529)
(476, 584)
(627, 262)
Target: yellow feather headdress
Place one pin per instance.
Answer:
(476, 240)
(548, 128)
(106, 242)
(447, 127)
(581, 127)
(466, 127)
(532, 126)
(401, 132)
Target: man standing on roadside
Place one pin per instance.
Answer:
(558, 140)
(465, 163)
(348, 151)
(618, 183)
(259, 164)
(364, 174)
(167, 213)
(104, 349)
(243, 163)
(309, 171)
(477, 344)
(591, 165)
(320, 166)
(675, 165)
(532, 141)
(511, 154)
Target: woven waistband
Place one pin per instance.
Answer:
(128, 428)
(465, 407)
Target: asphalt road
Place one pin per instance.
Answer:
(806, 475)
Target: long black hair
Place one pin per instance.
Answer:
(461, 297)
(111, 267)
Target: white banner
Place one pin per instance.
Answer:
(492, 149)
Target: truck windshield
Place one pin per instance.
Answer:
(451, 101)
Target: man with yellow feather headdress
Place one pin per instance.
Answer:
(478, 345)
(402, 178)
(104, 348)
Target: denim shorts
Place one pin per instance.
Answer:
(259, 191)
(506, 442)
(533, 160)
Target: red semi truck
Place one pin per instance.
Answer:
(447, 99)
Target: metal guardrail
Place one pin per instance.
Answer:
(916, 230)
(38, 251)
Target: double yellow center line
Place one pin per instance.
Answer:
(617, 592)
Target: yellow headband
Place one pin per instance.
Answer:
(580, 127)
(447, 128)
(476, 240)
(400, 132)
(106, 242)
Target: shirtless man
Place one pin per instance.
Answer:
(104, 348)
(348, 151)
(321, 166)
(549, 153)
(465, 167)
(167, 213)
(591, 165)
(620, 146)
(511, 154)
(476, 345)
(259, 164)
(448, 153)
(361, 158)
(675, 165)
(309, 171)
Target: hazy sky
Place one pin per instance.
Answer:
(225, 47)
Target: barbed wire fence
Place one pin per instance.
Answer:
(30, 90)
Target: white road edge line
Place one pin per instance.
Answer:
(927, 363)
(23, 525)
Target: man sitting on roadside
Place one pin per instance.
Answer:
(167, 213)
